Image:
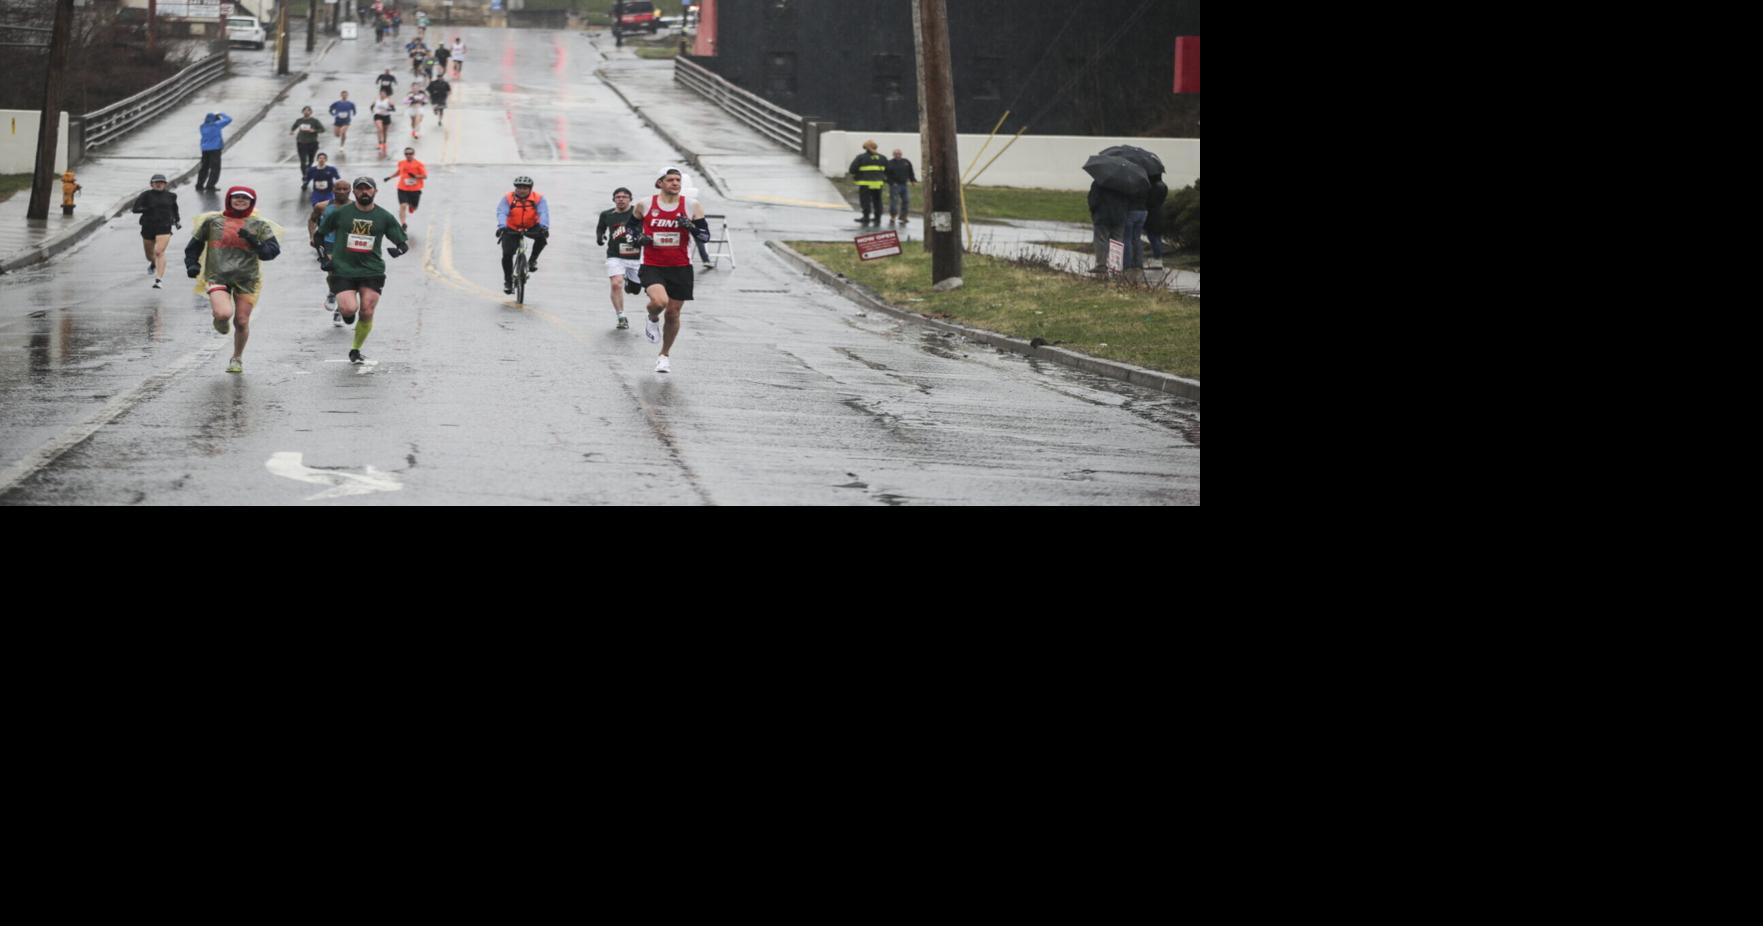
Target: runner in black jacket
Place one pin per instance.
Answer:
(158, 208)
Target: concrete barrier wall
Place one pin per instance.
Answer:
(1053, 162)
(18, 142)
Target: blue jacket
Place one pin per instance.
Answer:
(211, 140)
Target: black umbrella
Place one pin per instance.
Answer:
(1152, 164)
(1118, 174)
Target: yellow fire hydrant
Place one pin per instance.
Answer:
(68, 189)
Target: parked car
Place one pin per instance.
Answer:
(245, 30)
(639, 16)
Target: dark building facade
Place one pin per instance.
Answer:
(1062, 67)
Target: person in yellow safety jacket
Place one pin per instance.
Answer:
(871, 172)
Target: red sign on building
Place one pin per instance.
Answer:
(877, 245)
(1187, 64)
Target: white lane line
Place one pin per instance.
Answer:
(290, 464)
(74, 436)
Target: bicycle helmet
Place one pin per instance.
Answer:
(523, 180)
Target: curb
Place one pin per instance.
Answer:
(1113, 369)
(80, 232)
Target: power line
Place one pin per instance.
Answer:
(1084, 69)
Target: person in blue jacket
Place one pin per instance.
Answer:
(208, 177)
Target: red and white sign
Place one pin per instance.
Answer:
(877, 245)
(1116, 254)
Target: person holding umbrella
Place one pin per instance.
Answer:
(1137, 215)
(1120, 187)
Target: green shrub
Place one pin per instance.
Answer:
(1181, 218)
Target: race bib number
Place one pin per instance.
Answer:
(360, 238)
(667, 239)
(410, 182)
(321, 184)
(626, 249)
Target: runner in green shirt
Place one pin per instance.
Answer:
(358, 276)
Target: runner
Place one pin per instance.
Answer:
(225, 256)
(382, 117)
(324, 179)
(623, 254)
(158, 207)
(417, 102)
(410, 173)
(388, 83)
(358, 276)
(306, 131)
(439, 90)
(522, 213)
(442, 53)
(339, 201)
(667, 258)
(458, 56)
(342, 113)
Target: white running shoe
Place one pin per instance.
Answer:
(330, 302)
(652, 331)
(623, 322)
(336, 319)
(156, 284)
(661, 365)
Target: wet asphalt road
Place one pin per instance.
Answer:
(782, 392)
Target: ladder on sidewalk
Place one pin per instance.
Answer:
(719, 248)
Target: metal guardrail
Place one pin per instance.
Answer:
(120, 118)
(772, 121)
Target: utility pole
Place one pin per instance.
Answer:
(942, 168)
(281, 37)
(923, 124)
(311, 29)
(49, 126)
(152, 24)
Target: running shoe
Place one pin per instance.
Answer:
(532, 267)
(623, 322)
(709, 266)
(661, 365)
(150, 266)
(156, 284)
(223, 325)
(330, 302)
(237, 366)
(652, 331)
(508, 287)
(355, 357)
(336, 319)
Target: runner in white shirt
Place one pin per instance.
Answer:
(382, 117)
(417, 102)
(458, 55)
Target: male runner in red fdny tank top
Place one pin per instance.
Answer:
(668, 222)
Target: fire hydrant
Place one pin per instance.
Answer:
(68, 189)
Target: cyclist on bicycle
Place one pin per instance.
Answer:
(522, 213)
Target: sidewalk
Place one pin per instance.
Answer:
(113, 175)
(745, 166)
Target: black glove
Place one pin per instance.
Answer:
(396, 250)
(178, 225)
(701, 229)
(194, 270)
(500, 232)
(246, 236)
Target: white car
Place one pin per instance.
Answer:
(245, 30)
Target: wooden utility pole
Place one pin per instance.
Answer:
(942, 168)
(152, 24)
(923, 126)
(49, 126)
(311, 29)
(281, 37)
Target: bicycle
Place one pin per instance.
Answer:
(520, 270)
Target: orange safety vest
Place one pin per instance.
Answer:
(523, 214)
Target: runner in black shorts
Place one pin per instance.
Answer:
(667, 220)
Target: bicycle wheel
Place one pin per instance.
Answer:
(520, 277)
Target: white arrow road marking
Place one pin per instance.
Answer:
(288, 465)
